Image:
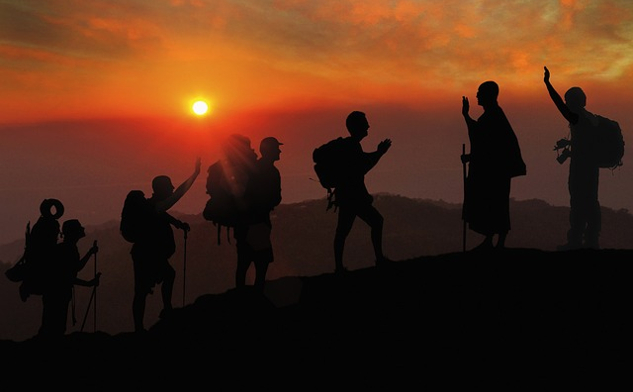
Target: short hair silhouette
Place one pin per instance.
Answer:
(161, 183)
(575, 98)
(490, 90)
(355, 120)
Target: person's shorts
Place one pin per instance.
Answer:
(149, 270)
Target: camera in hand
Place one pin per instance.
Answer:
(566, 153)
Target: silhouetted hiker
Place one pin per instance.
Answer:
(585, 216)
(237, 166)
(61, 278)
(41, 240)
(352, 197)
(263, 194)
(151, 252)
(494, 159)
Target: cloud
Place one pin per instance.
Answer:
(252, 50)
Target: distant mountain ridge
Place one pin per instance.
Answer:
(302, 238)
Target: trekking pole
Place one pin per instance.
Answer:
(94, 291)
(463, 211)
(93, 297)
(184, 268)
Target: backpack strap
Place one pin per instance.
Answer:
(331, 199)
(228, 231)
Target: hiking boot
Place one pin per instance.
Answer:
(384, 262)
(483, 247)
(592, 242)
(166, 312)
(340, 271)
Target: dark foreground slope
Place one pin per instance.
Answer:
(504, 314)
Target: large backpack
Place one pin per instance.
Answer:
(223, 208)
(329, 165)
(32, 269)
(134, 216)
(609, 143)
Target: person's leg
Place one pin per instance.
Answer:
(167, 287)
(501, 243)
(375, 221)
(45, 326)
(261, 268)
(594, 215)
(63, 314)
(56, 311)
(138, 310)
(141, 289)
(244, 258)
(577, 212)
(346, 217)
(243, 263)
(486, 244)
(262, 259)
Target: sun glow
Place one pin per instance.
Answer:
(200, 108)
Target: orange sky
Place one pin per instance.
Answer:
(86, 58)
(113, 72)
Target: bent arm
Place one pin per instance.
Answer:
(470, 122)
(177, 223)
(84, 260)
(166, 204)
(88, 283)
(372, 158)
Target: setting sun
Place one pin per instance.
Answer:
(200, 108)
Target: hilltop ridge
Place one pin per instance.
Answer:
(505, 308)
(302, 237)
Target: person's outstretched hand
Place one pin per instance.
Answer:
(546, 75)
(198, 164)
(465, 106)
(384, 146)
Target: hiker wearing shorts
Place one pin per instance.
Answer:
(263, 194)
(151, 252)
(352, 197)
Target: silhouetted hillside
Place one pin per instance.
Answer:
(499, 319)
(302, 237)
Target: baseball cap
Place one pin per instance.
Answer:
(269, 142)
